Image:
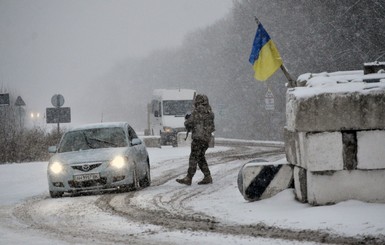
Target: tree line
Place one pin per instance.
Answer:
(312, 36)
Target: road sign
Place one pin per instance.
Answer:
(58, 115)
(4, 99)
(57, 100)
(269, 101)
(19, 101)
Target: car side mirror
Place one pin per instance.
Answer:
(52, 149)
(136, 141)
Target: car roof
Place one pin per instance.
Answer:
(101, 125)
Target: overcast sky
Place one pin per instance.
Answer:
(53, 46)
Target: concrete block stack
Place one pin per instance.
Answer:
(335, 137)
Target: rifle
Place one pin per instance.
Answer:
(189, 115)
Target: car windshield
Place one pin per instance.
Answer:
(177, 107)
(93, 139)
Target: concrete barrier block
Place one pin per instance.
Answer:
(315, 151)
(290, 146)
(182, 141)
(259, 179)
(300, 184)
(335, 186)
(315, 109)
(370, 149)
(323, 151)
(151, 141)
(294, 147)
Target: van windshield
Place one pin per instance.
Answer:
(177, 107)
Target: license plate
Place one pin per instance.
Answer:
(85, 177)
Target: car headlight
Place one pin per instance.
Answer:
(168, 130)
(118, 162)
(56, 167)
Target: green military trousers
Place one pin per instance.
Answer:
(197, 158)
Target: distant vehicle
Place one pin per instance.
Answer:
(98, 157)
(167, 111)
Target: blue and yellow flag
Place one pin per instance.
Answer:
(264, 56)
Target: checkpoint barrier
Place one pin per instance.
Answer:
(182, 141)
(337, 154)
(151, 141)
(259, 179)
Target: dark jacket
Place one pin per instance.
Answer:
(201, 121)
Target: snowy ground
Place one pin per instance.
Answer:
(29, 216)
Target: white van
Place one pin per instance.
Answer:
(167, 112)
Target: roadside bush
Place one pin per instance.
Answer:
(27, 145)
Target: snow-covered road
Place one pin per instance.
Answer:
(170, 213)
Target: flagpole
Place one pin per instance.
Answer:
(287, 75)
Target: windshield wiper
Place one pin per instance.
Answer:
(104, 141)
(88, 143)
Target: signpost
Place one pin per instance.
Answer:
(20, 102)
(57, 100)
(58, 114)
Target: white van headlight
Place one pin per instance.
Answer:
(168, 129)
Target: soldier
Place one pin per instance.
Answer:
(201, 125)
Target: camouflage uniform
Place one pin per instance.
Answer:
(201, 125)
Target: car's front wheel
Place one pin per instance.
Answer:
(146, 180)
(135, 184)
(56, 194)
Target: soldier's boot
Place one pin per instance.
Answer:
(206, 180)
(186, 180)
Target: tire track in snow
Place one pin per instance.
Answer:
(76, 219)
(171, 208)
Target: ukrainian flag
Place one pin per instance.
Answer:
(264, 56)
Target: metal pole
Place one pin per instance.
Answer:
(58, 119)
(21, 128)
(289, 78)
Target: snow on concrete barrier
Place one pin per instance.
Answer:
(350, 106)
(259, 179)
(335, 136)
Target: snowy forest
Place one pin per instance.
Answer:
(311, 36)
